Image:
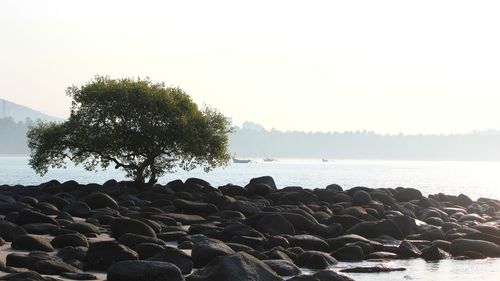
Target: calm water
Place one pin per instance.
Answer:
(475, 179)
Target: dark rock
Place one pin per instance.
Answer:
(433, 253)
(53, 267)
(70, 239)
(283, 267)
(361, 198)
(460, 246)
(40, 228)
(9, 230)
(83, 228)
(27, 276)
(204, 250)
(382, 255)
(78, 209)
(196, 208)
(330, 275)
(131, 240)
(72, 253)
(239, 266)
(275, 224)
(176, 257)
(315, 260)
(373, 269)
(147, 250)
(349, 253)
(30, 242)
(27, 216)
(78, 276)
(122, 226)
(103, 254)
(264, 180)
(98, 200)
(308, 242)
(144, 270)
(407, 250)
(407, 194)
(373, 229)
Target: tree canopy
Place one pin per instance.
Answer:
(144, 128)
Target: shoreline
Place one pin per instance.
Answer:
(194, 231)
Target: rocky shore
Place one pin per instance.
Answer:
(193, 231)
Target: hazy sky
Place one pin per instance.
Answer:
(389, 66)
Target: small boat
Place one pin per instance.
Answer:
(324, 160)
(241, 161)
(268, 159)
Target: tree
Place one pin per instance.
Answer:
(141, 127)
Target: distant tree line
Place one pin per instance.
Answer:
(13, 136)
(258, 142)
(251, 142)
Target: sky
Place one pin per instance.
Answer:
(386, 66)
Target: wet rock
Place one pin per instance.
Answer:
(308, 242)
(283, 267)
(144, 270)
(239, 266)
(372, 269)
(315, 260)
(53, 267)
(147, 250)
(407, 250)
(460, 246)
(27, 276)
(382, 255)
(30, 242)
(27, 216)
(78, 209)
(349, 253)
(103, 254)
(361, 198)
(373, 229)
(330, 275)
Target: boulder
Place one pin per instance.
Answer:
(238, 266)
(407, 250)
(460, 246)
(283, 267)
(374, 229)
(83, 228)
(330, 275)
(103, 254)
(9, 230)
(69, 239)
(349, 253)
(40, 228)
(122, 226)
(275, 224)
(407, 194)
(98, 200)
(144, 271)
(195, 208)
(308, 242)
(30, 242)
(206, 249)
(315, 260)
(175, 256)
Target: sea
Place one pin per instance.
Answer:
(475, 179)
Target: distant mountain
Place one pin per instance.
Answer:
(19, 113)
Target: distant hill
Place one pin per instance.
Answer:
(19, 113)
